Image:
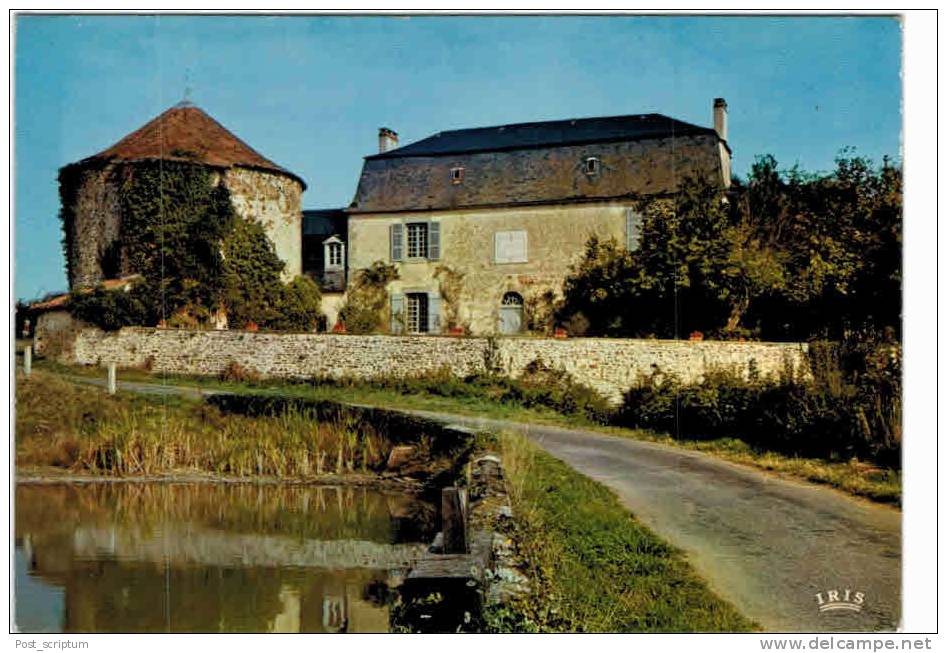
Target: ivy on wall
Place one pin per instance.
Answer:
(366, 302)
(195, 255)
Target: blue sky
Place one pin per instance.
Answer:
(310, 92)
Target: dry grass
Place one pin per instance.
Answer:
(61, 425)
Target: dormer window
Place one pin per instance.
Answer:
(591, 166)
(334, 254)
(457, 175)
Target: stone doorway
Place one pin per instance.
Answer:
(511, 313)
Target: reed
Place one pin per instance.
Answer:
(81, 429)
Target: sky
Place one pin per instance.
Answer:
(310, 93)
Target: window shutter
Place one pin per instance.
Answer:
(632, 230)
(397, 314)
(434, 240)
(397, 242)
(433, 313)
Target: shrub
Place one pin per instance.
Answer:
(840, 413)
(365, 305)
(238, 373)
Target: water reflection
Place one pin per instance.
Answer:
(211, 558)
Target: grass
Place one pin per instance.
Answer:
(591, 566)
(60, 424)
(853, 477)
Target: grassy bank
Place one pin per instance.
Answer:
(504, 401)
(591, 566)
(60, 424)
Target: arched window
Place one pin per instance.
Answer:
(512, 299)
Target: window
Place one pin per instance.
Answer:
(512, 299)
(510, 247)
(591, 166)
(423, 241)
(417, 314)
(456, 175)
(335, 255)
(417, 240)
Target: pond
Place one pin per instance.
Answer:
(149, 557)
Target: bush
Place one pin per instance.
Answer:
(365, 305)
(839, 414)
(538, 387)
(238, 373)
(299, 307)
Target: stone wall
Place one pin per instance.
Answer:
(608, 365)
(55, 334)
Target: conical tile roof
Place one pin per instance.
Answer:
(186, 133)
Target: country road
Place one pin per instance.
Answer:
(766, 544)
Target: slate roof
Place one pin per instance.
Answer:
(547, 134)
(186, 133)
(324, 222)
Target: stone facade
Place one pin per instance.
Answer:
(541, 189)
(96, 225)
(275, 201)
(610, 366)
(555, 238)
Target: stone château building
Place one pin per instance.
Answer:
(508, 209)
(259, 189)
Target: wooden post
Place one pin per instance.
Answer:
(111, 379)
(28, 360)
(454, 519)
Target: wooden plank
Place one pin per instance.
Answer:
(454, 519)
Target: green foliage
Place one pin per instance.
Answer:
(851, 408)
(173, 221)
(366, 301)
(195, 255)
(781, 256)
(450, 284)
(299, 307)
(113, 309)
(538, 387)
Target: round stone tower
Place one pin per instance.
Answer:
(259, 189)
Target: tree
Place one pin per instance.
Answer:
(784, 256)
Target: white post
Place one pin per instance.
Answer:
(111, 379)
(28, 360)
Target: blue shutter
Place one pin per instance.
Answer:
(397, 313)
(433, 240)
(632, 230)
(433, 313)
(397, 242)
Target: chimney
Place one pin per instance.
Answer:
(387, 140)
(720, 117)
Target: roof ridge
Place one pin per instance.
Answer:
(572, 120)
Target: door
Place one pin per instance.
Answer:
(511, 313)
